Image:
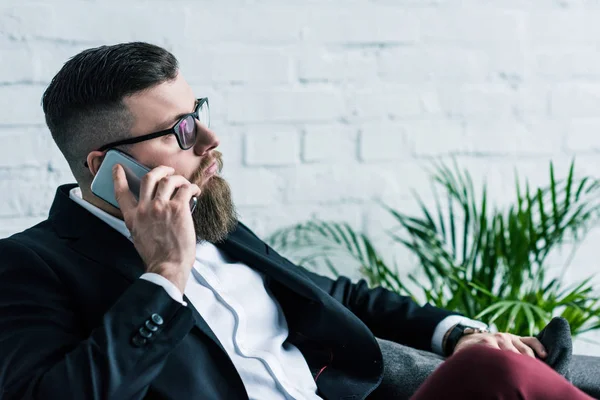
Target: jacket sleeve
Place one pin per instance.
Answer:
(43, 351)
(387, 314)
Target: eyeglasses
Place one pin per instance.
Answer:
(185, 130)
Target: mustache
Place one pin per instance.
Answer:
(198, 175)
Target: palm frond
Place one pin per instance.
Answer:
(474, 258)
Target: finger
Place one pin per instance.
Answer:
(167, 186)
(522, 347)
(123, 195)
(490, 343)
(493, 345)
(150, 180)
(536, 345)
(506, 344)
(185, 193)
(485, 343)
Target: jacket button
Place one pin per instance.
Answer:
(150, 326)
(138, 341)
(145, 333)
(157, 319)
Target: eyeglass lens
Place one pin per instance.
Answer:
(187, 128)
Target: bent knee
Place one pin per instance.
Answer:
(485, 365)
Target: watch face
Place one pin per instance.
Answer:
(471, 329)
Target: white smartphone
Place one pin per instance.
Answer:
(103, 184)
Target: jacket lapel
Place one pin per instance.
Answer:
(242, 245)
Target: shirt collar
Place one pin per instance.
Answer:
(113, 222)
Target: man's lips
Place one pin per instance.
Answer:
(203, 174)
(208, 173)
(212, 169)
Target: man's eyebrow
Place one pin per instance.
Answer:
(172, 121)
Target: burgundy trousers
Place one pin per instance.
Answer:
(480, 372)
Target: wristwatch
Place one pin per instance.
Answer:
(457, 332)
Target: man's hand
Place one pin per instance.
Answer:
(529, 346)
(160, 222)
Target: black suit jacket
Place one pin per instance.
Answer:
(71, 304)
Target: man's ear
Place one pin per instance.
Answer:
(94, 160)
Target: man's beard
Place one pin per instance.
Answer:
(215, 215)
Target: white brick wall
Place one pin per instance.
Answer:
(326, 106)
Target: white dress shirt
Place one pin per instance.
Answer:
(246, 318)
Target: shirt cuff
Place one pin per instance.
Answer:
(169, 286)
(445, 325)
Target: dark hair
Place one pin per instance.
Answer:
(83, 104)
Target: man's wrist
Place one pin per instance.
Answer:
(176, 280)
(172, 273)
(174, 292)
(455, 334)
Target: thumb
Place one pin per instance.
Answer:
(122, 193)
(536, 345)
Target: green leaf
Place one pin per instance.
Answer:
(530, 319)
(483, 290)
(513, 316)
(553, 192)
(505, 307)
(452, 224)
(568, 185)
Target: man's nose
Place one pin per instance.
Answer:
(206, 140)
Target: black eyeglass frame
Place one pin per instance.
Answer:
(173, 130)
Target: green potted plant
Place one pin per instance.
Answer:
(486, 262)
